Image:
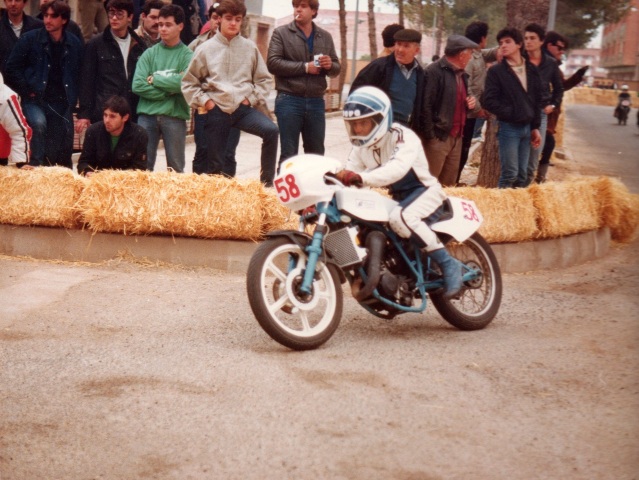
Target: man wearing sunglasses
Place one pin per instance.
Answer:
(109, 63)
(555, 45)
(44, 69)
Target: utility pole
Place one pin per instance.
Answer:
(354, 59)
(552, 13)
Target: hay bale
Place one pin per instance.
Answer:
(141, 203)
(276, 216)
(566, 208)
(619, 209)
(509, 215)
(44, 196)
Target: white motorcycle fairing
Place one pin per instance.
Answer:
(300, 184)
(464, 221)
(364, 204)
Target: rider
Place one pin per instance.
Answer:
(390, 154)
(624, 95)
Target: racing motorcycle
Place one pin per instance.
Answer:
(294, 277)
(622, 111)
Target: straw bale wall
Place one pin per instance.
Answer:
(44, 197)
(509, 215)
(619, 209)
(565, 208)
(597, 96)
(144, 203)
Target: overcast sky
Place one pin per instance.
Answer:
(281, 8)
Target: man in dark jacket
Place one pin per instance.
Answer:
(445, 106)
(555, 45)
(551, 84)
(115, 142)
(300, 56)
(13, 23)
(400, 76)
(109, 64)
(513, 93)
(44, 69)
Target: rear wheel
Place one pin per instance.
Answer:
(292, 318)
(479, 300)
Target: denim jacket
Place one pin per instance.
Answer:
(27, 70)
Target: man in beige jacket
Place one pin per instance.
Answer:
(228, 78)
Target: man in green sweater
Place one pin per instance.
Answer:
(162, 110)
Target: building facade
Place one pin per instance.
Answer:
(620, 49)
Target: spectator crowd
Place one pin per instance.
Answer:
(134, 73)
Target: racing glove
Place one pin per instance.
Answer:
(349, 178)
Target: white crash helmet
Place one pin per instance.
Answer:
(368, 102)
(624, 87)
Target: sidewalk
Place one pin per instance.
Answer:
(248, 151)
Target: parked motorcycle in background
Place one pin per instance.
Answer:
(294, 277)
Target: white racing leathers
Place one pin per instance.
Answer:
(15, 134)
(398, 161)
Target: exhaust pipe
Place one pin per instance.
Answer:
(375, 242)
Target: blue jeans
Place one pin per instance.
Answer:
(52, 139)
(535, 153)
(218, 128)
(514, 148)
(200, 158)
(173, 132)
(300, 115)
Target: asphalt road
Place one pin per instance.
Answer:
(599, 145)
(132, 371)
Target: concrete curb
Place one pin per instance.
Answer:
(233, 256)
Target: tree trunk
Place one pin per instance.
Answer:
(372, 35)
(490, 167)
(441, 9)
(400, 7)
(522, 12)
(343, 47)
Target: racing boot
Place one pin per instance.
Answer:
(542, 171)
(451, 270)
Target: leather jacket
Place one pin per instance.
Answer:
(287, 55)
(505, 97)
(129, 153)
(440, 96)
(103, 73)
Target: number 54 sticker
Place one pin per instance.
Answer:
(470, 211)
(286, 188)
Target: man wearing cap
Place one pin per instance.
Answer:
(446, 103)
(400, 76)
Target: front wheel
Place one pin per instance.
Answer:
(479, 300)
(290, 317)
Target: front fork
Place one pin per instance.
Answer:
(314, 250)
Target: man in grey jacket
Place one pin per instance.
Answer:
(227, 77)
(301, 55)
